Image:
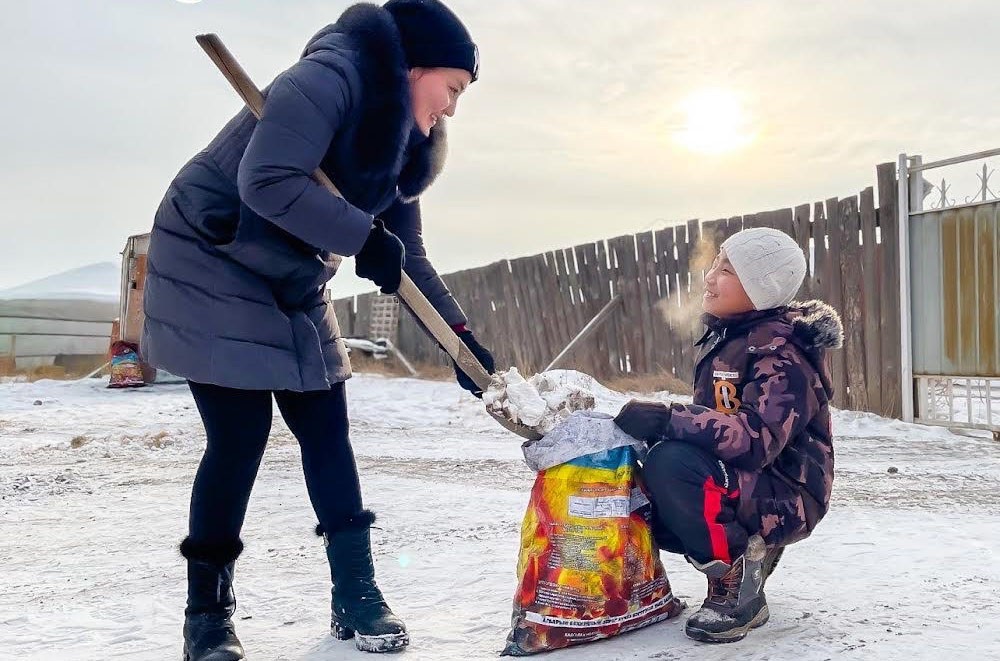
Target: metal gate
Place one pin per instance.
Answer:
(950, 277)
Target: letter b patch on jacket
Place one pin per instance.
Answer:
(726, 399)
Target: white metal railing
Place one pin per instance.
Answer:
(920, 167)
(959, 401)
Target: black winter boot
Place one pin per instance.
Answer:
(359, 609)
(735, 602)
(209, 634)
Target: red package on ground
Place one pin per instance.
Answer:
(588, 567)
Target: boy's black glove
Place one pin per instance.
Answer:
(381, 259)
(644, 421)
(481, 353)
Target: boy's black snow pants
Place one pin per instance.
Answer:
(238, 423)
(694, 496)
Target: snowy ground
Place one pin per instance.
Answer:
(93, 499)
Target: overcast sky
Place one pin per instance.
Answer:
(570, 135)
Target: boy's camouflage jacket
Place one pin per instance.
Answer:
(762, 405)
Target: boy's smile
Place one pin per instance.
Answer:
(724, 293)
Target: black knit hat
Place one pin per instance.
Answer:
(433, 36)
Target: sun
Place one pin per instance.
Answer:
(715, 122)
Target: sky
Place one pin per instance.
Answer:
(590, 119)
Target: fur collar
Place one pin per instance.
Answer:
(387, 117)
(813, 324)
(817, 324)
(425, 164)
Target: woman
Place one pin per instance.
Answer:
(241, 248)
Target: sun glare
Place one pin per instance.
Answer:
(715, 122)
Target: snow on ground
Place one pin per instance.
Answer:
(93, 498)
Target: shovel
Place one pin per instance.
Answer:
(436, 326)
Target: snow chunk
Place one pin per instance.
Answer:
(524, 401)
(547, 399)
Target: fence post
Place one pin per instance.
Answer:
(907, 194)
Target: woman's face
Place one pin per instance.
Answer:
(434, 94)
(724, 293)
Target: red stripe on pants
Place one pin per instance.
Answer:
(713, 507)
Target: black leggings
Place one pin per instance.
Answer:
(238, 423)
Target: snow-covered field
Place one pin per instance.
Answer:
(94, 493)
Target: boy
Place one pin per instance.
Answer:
(748, 467)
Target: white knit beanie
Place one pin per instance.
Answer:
(769, 263)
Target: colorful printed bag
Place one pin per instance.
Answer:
(126, 369)
(588, 567)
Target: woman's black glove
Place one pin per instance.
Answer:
(481, 353)
(644, 421)
(381, 259)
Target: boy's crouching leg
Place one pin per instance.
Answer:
(735, 603)
(695, 498)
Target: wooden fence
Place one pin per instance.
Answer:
(527, 309)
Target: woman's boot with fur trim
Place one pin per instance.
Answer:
(209, 634)
(359, 609)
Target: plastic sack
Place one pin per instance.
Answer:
(126, 369)
(588, 567)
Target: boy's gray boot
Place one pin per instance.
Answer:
(735, 603)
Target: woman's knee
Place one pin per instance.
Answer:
(234, 420)
(317, 419)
